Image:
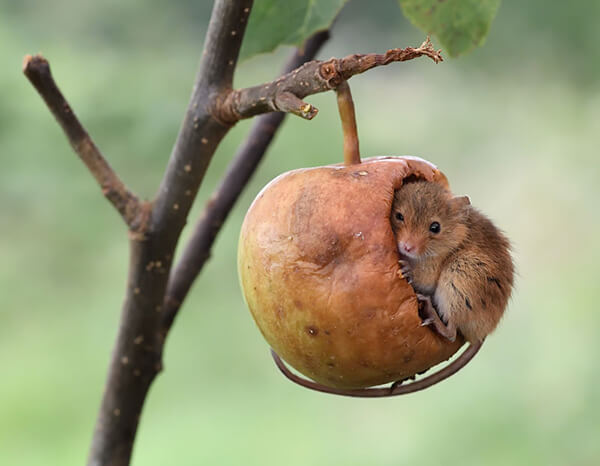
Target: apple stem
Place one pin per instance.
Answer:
(346, 109)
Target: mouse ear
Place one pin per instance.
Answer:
(461, 201)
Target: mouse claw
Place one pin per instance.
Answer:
(427, 322)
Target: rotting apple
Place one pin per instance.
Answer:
(319, 271)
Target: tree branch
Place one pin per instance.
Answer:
(37, 70)
(201, 130)
(137, 355)
(222, 200)
(311, 78)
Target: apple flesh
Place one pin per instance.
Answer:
(319, 271)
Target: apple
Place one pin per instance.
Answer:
(319, 272)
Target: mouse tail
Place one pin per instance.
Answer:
(397, 388)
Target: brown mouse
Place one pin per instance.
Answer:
(459, 264)
(457, 261)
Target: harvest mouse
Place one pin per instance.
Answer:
(457, 261)
(459, 264)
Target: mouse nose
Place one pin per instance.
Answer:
(406, 247)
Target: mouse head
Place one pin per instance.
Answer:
(427, 220)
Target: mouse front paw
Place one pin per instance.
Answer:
(406, 270)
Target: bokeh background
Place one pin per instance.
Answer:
(515, 125)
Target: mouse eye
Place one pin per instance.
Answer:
(399, 217)
(435, 227)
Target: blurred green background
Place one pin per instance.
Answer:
(515, 125)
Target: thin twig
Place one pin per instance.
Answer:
(221, 202)
(311, 78)
(37, 70)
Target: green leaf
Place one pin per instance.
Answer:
(459, 25)
(290, 22)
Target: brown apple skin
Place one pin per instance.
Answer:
(319, 271)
